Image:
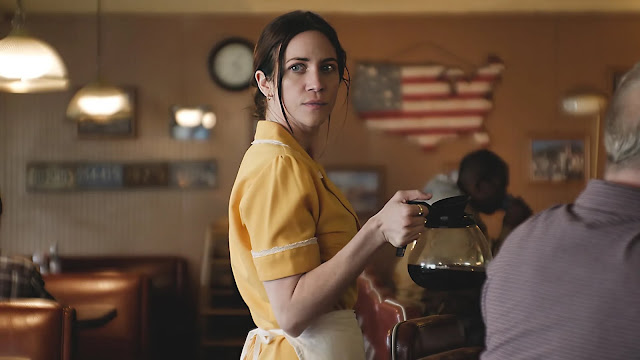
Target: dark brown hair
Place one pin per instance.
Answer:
(271, 47)
(482, 165)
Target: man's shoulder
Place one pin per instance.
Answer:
(20, 277)
(8, 263)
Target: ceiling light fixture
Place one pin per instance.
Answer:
(99, 101)
(27, 64)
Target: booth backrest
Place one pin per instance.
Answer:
(168, 274)
(123, 338)
(36, 329)
(171, 313)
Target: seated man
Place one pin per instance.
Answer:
(566, 284)
(19, 277)
(484, 176)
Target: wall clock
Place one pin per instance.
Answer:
(230, 64)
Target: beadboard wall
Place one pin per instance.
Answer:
(164, 57)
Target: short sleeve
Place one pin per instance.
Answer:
(279, 211)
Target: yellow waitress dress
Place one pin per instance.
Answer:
(285, 218)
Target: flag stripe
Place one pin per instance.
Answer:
(447, 95)
(443, 87)
(422, 71)
(447, 105)
(473, 86)
(425, 122)
(432, 79)
(430, 139)
(419, 114)
(411, 131)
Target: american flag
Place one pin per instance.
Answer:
(426, 103)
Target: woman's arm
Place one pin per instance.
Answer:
(298, 300)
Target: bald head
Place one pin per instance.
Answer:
(622, 126)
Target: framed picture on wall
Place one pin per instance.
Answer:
(555, 159)
(363, 186)
(89, 128)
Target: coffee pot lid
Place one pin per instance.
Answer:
(447, 212)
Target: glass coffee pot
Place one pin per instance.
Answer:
(451, 253)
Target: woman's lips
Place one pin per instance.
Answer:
(315, 104)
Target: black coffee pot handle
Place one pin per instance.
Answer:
(400, 251)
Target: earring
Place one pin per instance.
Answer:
(269, 97)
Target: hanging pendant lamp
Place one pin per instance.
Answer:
(27, 64)
(99, 101)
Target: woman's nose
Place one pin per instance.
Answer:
(314, 81)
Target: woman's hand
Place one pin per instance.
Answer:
(401, 223)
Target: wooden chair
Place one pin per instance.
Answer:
(36, 329)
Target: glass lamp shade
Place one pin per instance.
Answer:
(209, 120)
(29, 65)
(193, 116)
(189, 117)
(583, 104)
(100, 102)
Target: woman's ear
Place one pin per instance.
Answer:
(264, 84)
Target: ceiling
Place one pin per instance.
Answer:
(326, 6)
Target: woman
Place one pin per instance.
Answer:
(296, 244)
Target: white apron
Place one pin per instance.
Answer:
(334, 335)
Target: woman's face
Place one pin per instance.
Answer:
(310, 82)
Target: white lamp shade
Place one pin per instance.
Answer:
(100, 102)
(208, 120)
(189, 116)
(30, 65)
(583, 104)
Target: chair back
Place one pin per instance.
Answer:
(36, 329)
(435, 337)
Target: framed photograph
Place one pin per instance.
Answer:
(363, 186)
(88, 128)
(558, 159)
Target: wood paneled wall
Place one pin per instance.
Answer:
(164, 57)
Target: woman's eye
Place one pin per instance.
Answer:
(328, 68)
(297, 67)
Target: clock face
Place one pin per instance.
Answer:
(231, 64)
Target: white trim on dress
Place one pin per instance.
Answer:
(272, 142)
(277, 249)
